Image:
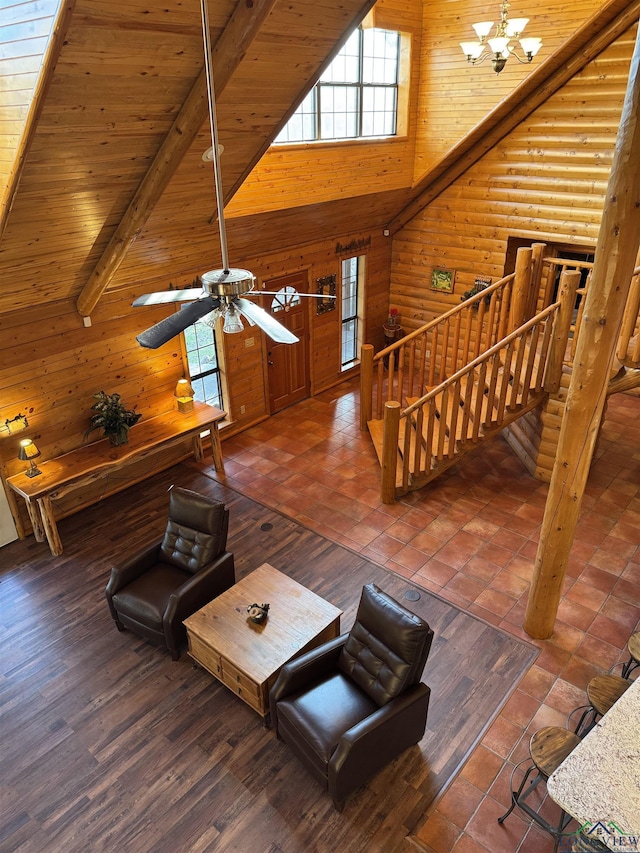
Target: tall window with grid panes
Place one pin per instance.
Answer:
(351, 324)
(357, 96)
(203, 363)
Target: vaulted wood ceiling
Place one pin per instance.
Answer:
(121, 113)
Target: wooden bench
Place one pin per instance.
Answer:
(99, 459)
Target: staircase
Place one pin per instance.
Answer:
(439, 392)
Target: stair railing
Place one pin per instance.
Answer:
(451, 414)
(512, 376)
(425, 357)
(628, 352)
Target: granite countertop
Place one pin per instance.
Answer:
(599, 782)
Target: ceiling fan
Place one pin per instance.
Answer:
(223, 290)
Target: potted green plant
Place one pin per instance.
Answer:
(113, 417)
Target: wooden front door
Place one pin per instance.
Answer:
(288, 364)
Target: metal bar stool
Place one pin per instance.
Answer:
(548, 749)
(603, 691)
(633, 646)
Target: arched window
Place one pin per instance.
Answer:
(284, 299)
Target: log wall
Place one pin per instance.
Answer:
(455, 96)
(544, 182)
(534, 436)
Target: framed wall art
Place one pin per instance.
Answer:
(326, 290)
(443, 279)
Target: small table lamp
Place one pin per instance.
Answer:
(184, 395)
(28, 451)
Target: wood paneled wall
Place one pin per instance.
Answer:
(455, 96)
(544, 181)
(51, 365)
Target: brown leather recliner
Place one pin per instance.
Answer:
(155, 590)
(352, 705)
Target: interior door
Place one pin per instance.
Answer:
(288, 364)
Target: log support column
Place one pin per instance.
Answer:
(605, 301)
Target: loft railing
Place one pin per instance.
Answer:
(628, 349)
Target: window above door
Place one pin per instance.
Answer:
(356, 97)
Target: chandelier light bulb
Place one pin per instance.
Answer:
(531, 46)
(472, 49)
(499, 46)
(483, 29)
(515, 26)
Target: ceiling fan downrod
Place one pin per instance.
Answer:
(213, 126)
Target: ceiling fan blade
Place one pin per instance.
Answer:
(160, 297)
(267, 323)
(155, 336)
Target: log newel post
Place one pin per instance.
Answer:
(366, 384)
(616, 249)
(569, 281)
(536, 277)
(521, 289)
(391, 432)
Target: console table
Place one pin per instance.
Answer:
(90, 462)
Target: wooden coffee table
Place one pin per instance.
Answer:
(247, 657)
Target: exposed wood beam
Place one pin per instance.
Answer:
(43, 82)
(616, 250)
(589, 40)
(228, 51)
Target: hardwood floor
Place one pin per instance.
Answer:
(109, 744)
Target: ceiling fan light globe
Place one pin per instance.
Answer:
(232, 321)
(210, 319)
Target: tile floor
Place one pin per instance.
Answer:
(471, 537)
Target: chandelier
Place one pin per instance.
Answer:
(500, 48)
